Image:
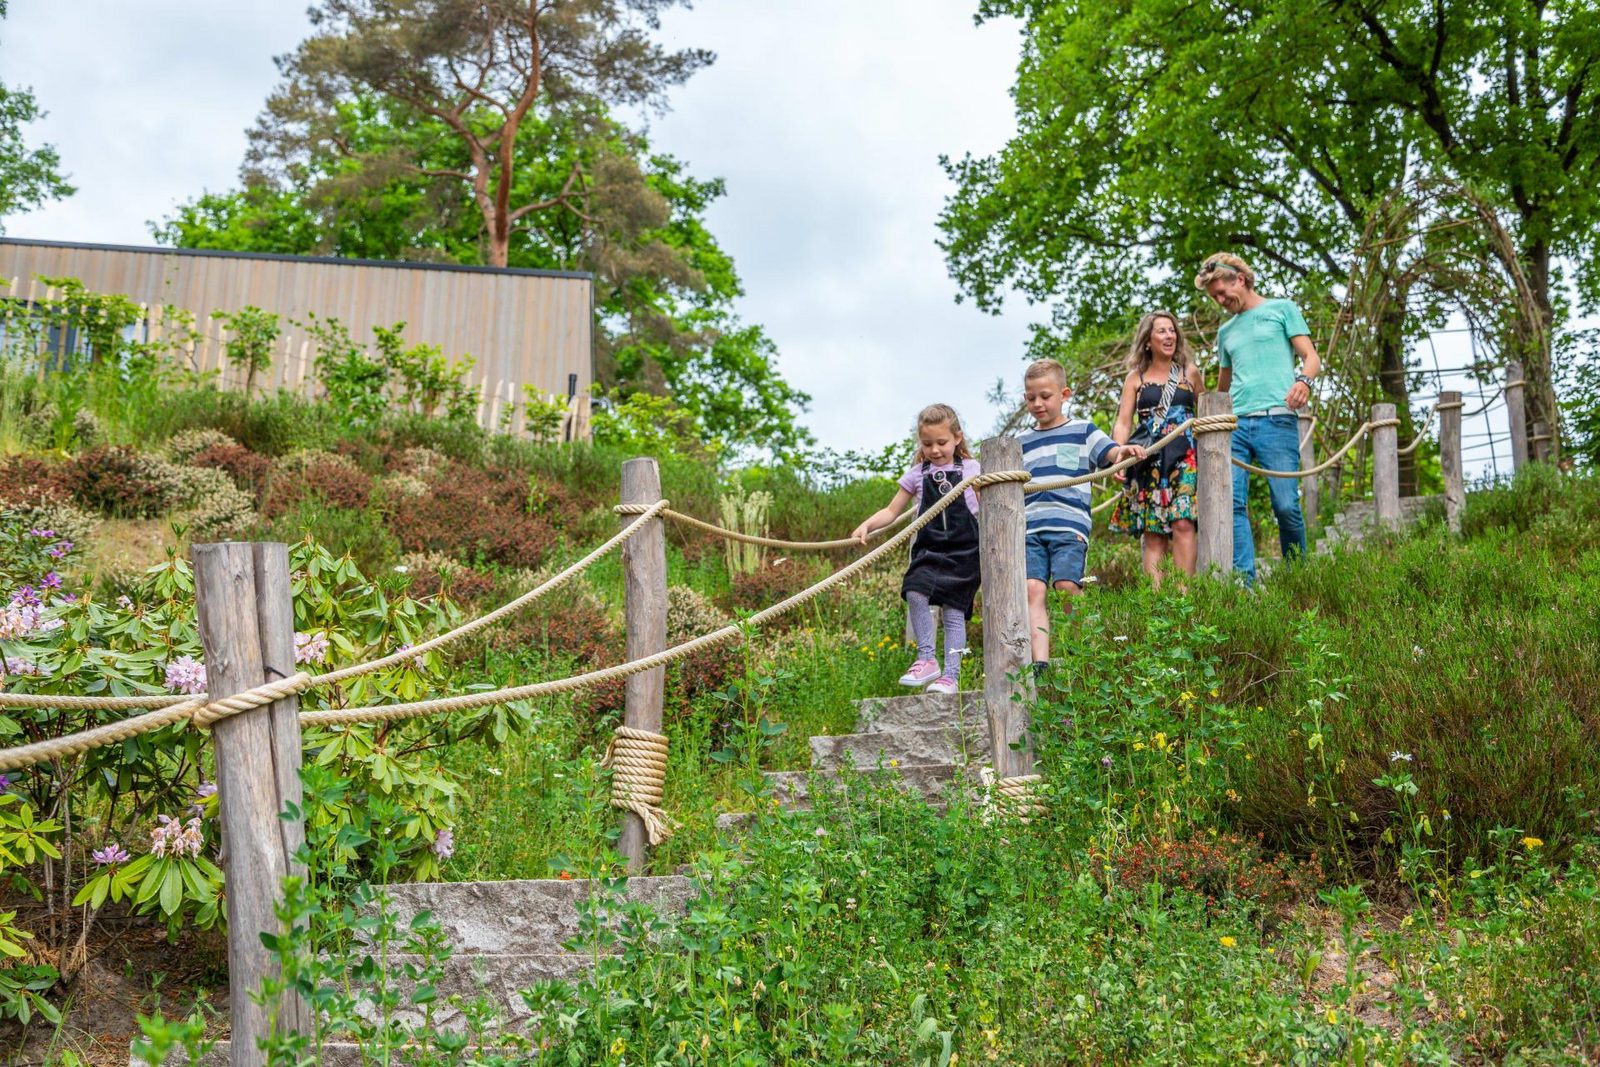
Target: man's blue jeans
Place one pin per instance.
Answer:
(1273, 442)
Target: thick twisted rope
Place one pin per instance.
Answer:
(1199, 424)
(1418, 438)
(637, 760)
(466, 701)
(754, 539)
(1361, 432)
(195, 709)
(1015, 795)
(81, 703)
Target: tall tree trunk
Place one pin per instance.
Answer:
(1392, 380)
(1536, 339)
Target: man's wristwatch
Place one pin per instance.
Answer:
(1303, 380)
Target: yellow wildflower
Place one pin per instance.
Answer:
(1531, 842)
(618, 1047)
(1333, 1017)
(1215, 693)
(1226, 942)
(1160, 741)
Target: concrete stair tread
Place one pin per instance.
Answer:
(524, 915)
(919, 711)
(332, 1054)
(926, 746)
(793, 788)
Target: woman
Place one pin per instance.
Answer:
(1159, 393)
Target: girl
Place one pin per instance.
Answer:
(1158, 394)
(944, 555)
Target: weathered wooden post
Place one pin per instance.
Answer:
(1539, 443)
(1386, 468)
(247, 627)
(644, 568)
(1007, 681)
(1214, 493)
(1516, 415)
(1455, 490)
(1310, 500)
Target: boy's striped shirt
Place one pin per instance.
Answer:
(1075, 447)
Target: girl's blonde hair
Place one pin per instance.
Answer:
(1140, 356)
(940, 415)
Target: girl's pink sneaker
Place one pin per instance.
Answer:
(920, 673)
(944, 685)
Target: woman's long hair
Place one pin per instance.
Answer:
(1140, 356)
(938, 415)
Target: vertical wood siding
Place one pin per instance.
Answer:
(521, 328)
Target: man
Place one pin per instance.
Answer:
(1257, 349)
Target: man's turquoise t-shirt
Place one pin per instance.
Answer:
(1255, 343)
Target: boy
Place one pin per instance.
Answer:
(1058, 520)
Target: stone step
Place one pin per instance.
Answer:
(500, 978)
(793, 788)
(332, 1054)
(919, 711)
(526, 915)
(936, 745)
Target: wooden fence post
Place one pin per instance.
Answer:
(1516, 415)
(644, 568)
(1386, 468)
(1455, 492)
(1214, 493)
(1007, 645)
(1539, 444)
(247, 627)
(1310, 500)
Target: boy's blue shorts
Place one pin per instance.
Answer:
(1056, 556)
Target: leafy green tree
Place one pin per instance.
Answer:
(1152, 132)
(28, 176)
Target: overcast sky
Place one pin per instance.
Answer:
(826, 118)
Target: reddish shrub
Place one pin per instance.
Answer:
(1219, 868)
(770, 584)
(249, 470)
(574, 629)
(120, 481)
(471, 514)
(334, 483)
(26, 480)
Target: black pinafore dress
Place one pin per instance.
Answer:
(944, 556)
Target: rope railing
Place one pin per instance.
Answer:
(1421, 434)
(81, 703)
(756, 539)
(205, 712)
(1362, 431)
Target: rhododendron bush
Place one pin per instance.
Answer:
(143, 811)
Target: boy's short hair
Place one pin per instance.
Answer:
(1040, 368)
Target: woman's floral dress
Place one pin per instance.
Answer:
(1162, 492)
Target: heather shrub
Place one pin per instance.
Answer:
(32, 480)
(185, 445)
(1224, 870)
(782, 577)
(690, 615)
(124, 483)
(215, 508)
(248, 470)
(311, 475)
(438, 574)
(474, 515)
